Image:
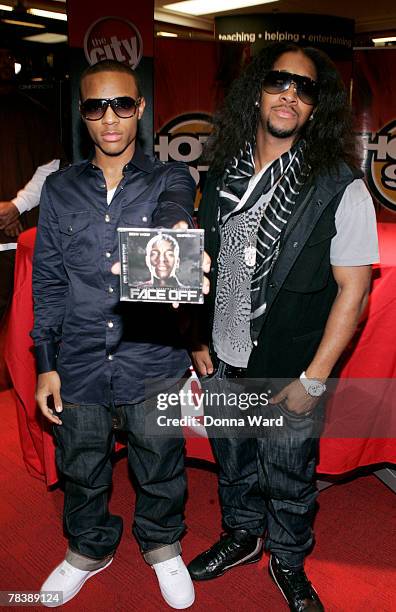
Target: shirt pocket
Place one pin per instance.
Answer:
(311, 270)
(139, 214)
(75, 241)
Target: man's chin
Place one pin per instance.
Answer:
(111, 151)
(115, 149)
(279, 132)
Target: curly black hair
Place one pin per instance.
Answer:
(329, 135)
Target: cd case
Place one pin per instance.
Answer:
(161, 265)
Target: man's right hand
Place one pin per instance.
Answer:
(201, 361)
(13, 229)
(49, 384)
(8, 213)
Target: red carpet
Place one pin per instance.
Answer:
(353, 563)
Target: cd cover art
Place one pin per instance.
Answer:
(161, 265)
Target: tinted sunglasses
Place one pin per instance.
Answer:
(277, 81)
(94, 109)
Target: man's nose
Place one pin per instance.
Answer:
(110, 116)
(290, 94)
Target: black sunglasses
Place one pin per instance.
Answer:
(94, 109)
(277, 81)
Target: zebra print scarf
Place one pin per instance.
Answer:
(289, 174)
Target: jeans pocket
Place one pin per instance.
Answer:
(282, 406)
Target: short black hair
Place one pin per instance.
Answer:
(109, 65)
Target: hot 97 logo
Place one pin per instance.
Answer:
(381, 164)
(182, 139)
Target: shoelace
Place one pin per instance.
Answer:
(220, 549)
(298, 582)
(66, 570)
(172, 566)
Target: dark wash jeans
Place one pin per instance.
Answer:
(266, 483)
(85, 442)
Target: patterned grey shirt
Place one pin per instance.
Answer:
(231, 328)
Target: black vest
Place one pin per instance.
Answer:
(302, 288)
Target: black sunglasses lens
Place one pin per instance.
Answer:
(307, 91)
(93, 109)
(124, 106)
(276, 82)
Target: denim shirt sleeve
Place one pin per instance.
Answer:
(176, 202)
(50, 286)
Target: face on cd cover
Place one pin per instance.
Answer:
(161, 265)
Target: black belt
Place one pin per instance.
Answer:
(225, 370)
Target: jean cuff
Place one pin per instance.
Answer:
(87, 564)
(162, 553)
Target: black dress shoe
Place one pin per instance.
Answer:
(295, 587)
(235, 548)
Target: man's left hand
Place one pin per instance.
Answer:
(182, 225)
(295, 398)
(8, 214)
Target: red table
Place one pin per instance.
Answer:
(373, 356)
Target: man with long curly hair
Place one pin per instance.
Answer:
(292, 235)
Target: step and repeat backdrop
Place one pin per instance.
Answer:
(184, 81)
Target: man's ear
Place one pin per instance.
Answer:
(141, 108)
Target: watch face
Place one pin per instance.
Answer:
(316, 389)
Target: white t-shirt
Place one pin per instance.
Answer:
(110, 194)
(356, 241)
(29, 196)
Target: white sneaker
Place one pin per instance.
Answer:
(175, 583)
(67, 579)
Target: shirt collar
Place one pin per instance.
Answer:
(139, 160)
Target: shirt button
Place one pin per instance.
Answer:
(108, 254)
(70, 229)
(110, 357)
(144, 219)
(107, 218)
(111, 289)
(110, 324)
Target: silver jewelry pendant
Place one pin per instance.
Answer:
(250, 256)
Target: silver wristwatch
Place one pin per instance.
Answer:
(314, 388)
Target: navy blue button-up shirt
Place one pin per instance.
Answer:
(103, 349)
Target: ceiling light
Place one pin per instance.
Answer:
(167, 34)
(207, 7)
(384, 40)
(47, 37)
(5, 7)
(26, 24)
(49, 14)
